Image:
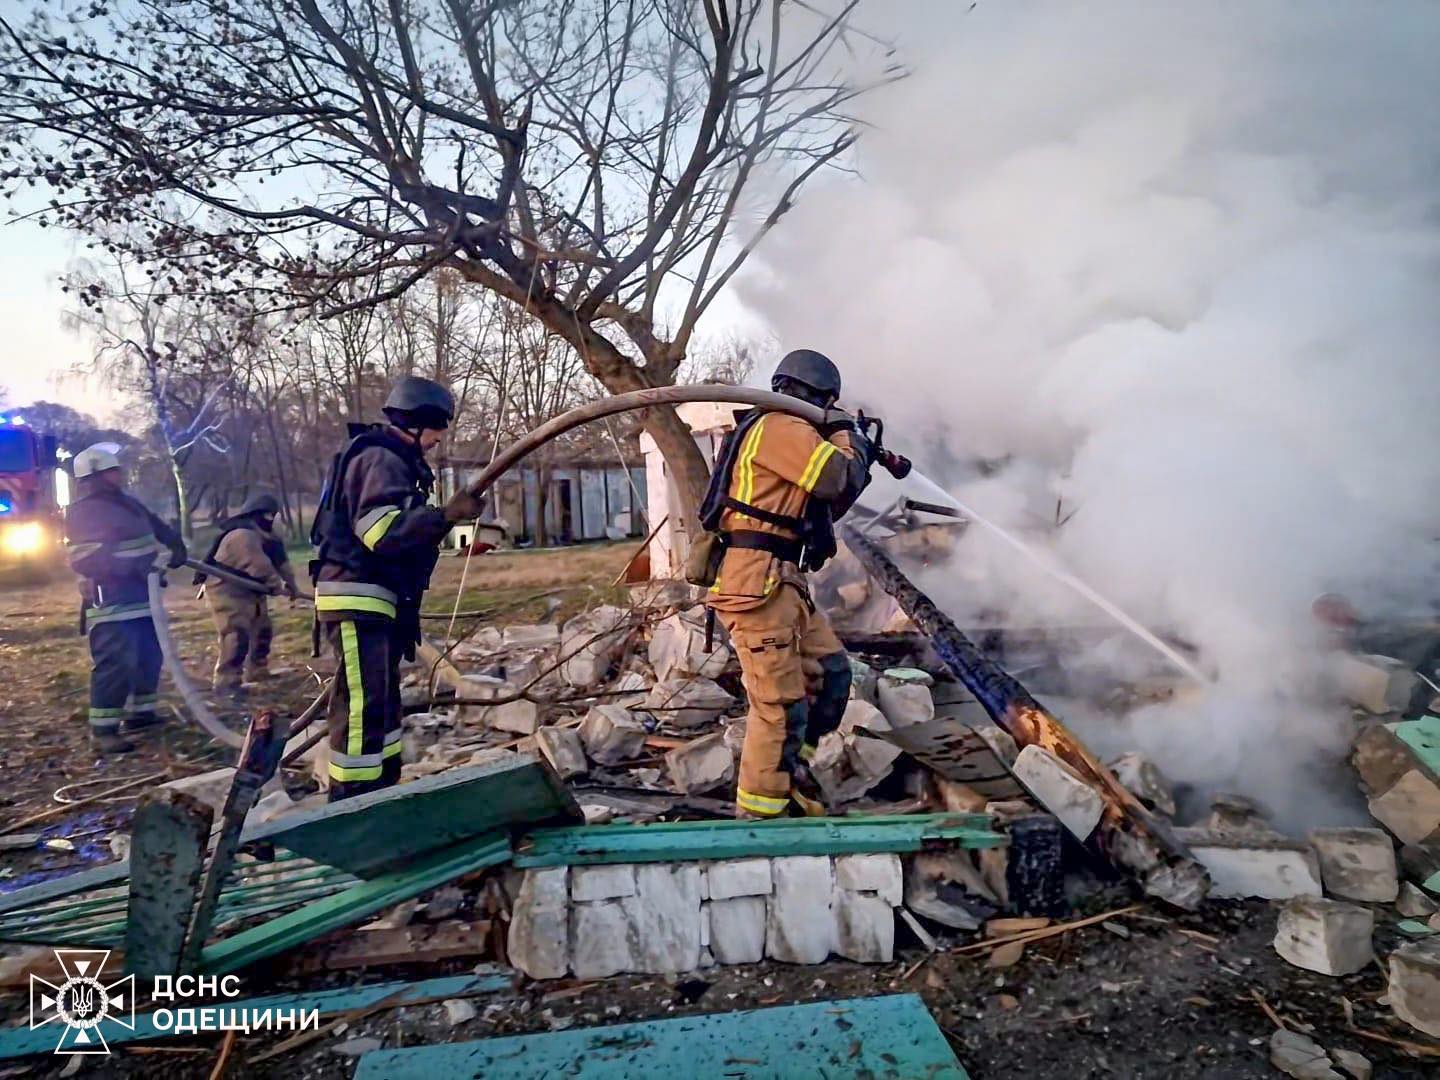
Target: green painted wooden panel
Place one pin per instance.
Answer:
(354, 904)
(171, 831)
(18, 1042)
(678, 840)
(1423, 738)
(880, 1037)
(371, 833)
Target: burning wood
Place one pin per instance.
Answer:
(1127, 834)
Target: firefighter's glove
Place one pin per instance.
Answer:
(463, 507)
(178, 555)
(836, 420)
(863, 447)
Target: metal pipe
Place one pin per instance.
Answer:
(638, 399)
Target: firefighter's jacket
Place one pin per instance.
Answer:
(252, 552)
(112, 541)
(781, 463)
(379, 540)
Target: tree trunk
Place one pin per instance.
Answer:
(182, 508)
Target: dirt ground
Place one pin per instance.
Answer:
(1180, 996)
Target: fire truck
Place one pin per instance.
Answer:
(33, 491)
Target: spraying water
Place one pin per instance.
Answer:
(1064, 576)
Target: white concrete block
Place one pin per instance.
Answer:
(862, 716)
(864, 927)
(518, 717)
(737, 929)
(525, 637)
(703, 765)
(1325, 936)
(738, 877)
(1414, 990)
(209, 787)
(800, 924)
(601, 882)
(687, 702)
(539, 939)
(600, 935)
(904, 697)
(611, 733)
(564, 750)
(1143, 779)
(1059, 790)
(664, 917)
(876, 873)
(1262, 868)
(677, 648)
(591, 642)
(1378, 684)
(1357, 864)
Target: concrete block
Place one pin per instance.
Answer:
(860, 715)
(1414, 902)
(601, 882)
(737, 929)
(564, 750)
(1352, 1063)
(1259, 867)
(482, 688)
(1380, 758)
(729, 878)
(1143, 779)
(677, 648)
(664, 917)
(947, 888)
(871, 760)
(877, 873)
(1325, 936)
(629, 690)
(687, 702)
(1378, 684)
(612, 733)
(702, 765)
(1357, 864)
(864, 681)
(517, 717)
(600, 935)
(1059, 790)
(1300, 1056)
(1410, 809)
(210, 788)
(864, 927)
(539, 939)
(591, 642)
(525, 637)
(1414, 990)
(904, 696)
(800, 923)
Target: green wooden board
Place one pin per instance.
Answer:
(168, 842)
(681, 840)
(880, 1037)
(1422, 736)
(18, 1042)
(355, 903)
(371, 833)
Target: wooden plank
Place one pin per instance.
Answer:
(372, 833)
(171, 832)
(680, 840)
(892, 1036)
(354, 904)
(406, 945)
(18, 1042)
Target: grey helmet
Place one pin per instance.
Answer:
(812, 369)
(420, 402)
(259, 504)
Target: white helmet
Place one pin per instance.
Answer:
(95, 459)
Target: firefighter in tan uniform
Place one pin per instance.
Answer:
(778, 486)
(247, 546)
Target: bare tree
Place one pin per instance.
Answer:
(596, 163)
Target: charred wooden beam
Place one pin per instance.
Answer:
(1128, 835)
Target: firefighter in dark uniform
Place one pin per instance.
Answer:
(778, 486)
(378, 542)
(247, 546)
(112, 543)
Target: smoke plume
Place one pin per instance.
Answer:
(1170, 269)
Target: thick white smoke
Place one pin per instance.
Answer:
(1175, 266)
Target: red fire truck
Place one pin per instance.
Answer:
(30, 503)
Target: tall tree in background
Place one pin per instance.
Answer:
(603, 165)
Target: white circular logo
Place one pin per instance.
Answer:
(82, 1002)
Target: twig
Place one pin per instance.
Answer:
(916, 966)
(46, 815)
(228, 1045)
(1409, 1047)
(1045, 932)
(1270, 1013)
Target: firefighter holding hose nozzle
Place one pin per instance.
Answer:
(778, 486)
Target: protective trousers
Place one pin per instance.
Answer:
(125, 670)
(784, 722)
(365, 708)
(243, 624)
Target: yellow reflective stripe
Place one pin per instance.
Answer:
(376, 532)
(807, 752)
(342, 772)
(391, 750)
(372, 604)
(811, 476)
(746, 490)
(760, 804)
(355, 684)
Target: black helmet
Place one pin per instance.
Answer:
(421, 402)
(812, 369)
(260, 504)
